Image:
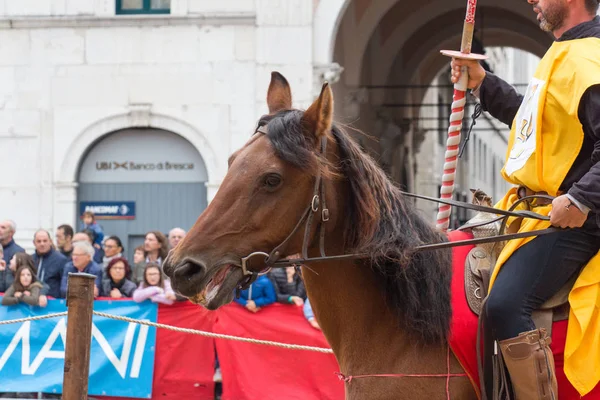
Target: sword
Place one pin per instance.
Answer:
(456, 117)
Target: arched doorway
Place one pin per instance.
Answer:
(390, 54)
(142, 179)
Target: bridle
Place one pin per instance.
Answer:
(317, 202)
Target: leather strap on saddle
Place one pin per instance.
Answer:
(533, 201)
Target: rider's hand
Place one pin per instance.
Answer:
(565, 214)
(474, 68)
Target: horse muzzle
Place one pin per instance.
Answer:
(186, 277)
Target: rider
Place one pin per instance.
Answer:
(554, 148)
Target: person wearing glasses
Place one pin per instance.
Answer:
(83, 254)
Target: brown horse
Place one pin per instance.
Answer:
(387, 314)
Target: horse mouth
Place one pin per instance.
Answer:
(219, 290)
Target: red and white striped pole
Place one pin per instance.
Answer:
(458, 112)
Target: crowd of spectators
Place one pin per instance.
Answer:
(34, 278)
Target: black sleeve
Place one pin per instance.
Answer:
(281, 297)
(499, 98)
(587, 189)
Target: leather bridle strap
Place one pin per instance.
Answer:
(317, 202)
(467, 242)
(425, 247)
(273, 259)
(491, 210)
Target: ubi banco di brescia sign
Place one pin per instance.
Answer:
(141, 166)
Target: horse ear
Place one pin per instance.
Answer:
(279, 95)
(318, 118)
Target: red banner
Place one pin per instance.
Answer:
(184, 363)
(252, 371)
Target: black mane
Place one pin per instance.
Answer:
(381, 224)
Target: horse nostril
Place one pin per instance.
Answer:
(188, 270)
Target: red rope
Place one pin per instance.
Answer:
(447, 375)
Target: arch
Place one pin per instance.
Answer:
(326, 22)
(520, 32)
(370, 21)
(425, 52)
(96, 131)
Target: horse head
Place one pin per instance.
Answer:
(266, 191)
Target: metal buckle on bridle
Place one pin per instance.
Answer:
(250, 276)
(314, 204)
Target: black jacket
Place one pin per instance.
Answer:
(583, 180)
(10, 250)
(284, 289)
(51, 271)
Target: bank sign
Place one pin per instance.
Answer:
(109, 209)
(32, 353)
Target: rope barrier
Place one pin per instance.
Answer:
(177, 329)
(39, 317)
(215, 335)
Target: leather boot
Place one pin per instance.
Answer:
(530, 364)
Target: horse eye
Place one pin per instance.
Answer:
(272, 181)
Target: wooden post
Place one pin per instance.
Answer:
(80, 306)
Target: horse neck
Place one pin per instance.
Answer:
(352, 313)
(366, 336)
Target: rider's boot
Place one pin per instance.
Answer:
(530, 364)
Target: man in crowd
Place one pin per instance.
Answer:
(64, 240)
(7, 232)
(175, 236)
(49, 263)
(88, 236)
(83, 253)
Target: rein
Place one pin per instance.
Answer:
(273, 259)
(317, 202)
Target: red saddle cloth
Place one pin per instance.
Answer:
(463, 329)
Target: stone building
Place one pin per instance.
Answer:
(132, 107)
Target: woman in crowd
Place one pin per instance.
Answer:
(288, 284)
(118, 285)
(155, 287)
(156, 246)
(113, 248)
(26, 288)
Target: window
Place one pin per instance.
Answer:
(143, 6)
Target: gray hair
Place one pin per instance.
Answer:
(12, 224)
(176, 230)
(42, 230)
(85, 246)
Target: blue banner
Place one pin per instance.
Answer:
(109, 209)
(122, 354)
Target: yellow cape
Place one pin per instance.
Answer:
(582, 348)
